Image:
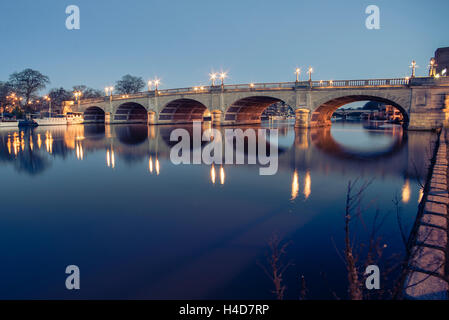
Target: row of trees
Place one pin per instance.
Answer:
(21, 93)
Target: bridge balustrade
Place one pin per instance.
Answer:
(396, 82)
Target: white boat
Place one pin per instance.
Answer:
(51, 121)
(75, 118)
(9, 124)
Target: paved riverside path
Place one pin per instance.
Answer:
(427, 268)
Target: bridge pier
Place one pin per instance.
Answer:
(302, 118)
(217, 117)
(151, 117)
(108, 117)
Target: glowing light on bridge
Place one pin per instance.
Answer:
(298, 74)
(223, 76)
(109, 90)
(213, 76)
(222, 175)
(295, 186)
(156, 82)
(309, 72)
(150, 84)
(213, 174)
(413, 66)
(307, 185)
(406, 191)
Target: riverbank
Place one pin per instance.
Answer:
(427, 271)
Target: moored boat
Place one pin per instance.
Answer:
(52, 121)
(75, 117)
(9, 124)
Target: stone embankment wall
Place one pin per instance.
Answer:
(427, 269)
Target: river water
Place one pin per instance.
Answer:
(109, 200)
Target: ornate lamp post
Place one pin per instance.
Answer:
(310, 71)
(223, 75)
(298, 74)
(413, 66)
(48, 99)
(213, 76)
(432, 68)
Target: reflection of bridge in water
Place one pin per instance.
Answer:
(305, 150)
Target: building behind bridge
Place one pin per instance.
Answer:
(442, 59)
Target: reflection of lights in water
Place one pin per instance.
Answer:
(8, 144)
(157, 166)
(39, 140)
(16, 143)
(22, 142)
(31, 142)
(150, 165)
(79, 151)
(110, 158)
(49, 142)
(212, 174)
(406, 192)
(295, 186)
(222, 175)
(307, 185)
(421, 193)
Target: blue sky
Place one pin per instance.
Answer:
(182, 41)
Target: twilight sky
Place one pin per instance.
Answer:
(254, 40)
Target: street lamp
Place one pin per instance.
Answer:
(298, 73)
(156, 84)
(150, 83)
(413, 66)
(109, 90)
(48, 99)
(310, 71)
(223, 75)
(213, 76)
(78, 95)
(432, 68)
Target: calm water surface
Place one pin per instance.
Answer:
(108, 199)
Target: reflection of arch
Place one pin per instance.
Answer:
(322, 115)
(165, 132)
(132, 134)
(131, 112)
(93, 114)
(182, 111)
(94, 131)
(248, 110)
(322, 139)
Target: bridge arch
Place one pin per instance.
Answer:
(131, 112)
(321, 116)
(182, 110)
(94, 114)
(248, 110)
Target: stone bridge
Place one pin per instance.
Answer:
(424, 102)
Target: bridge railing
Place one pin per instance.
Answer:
(398, 82)
(395, 82)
